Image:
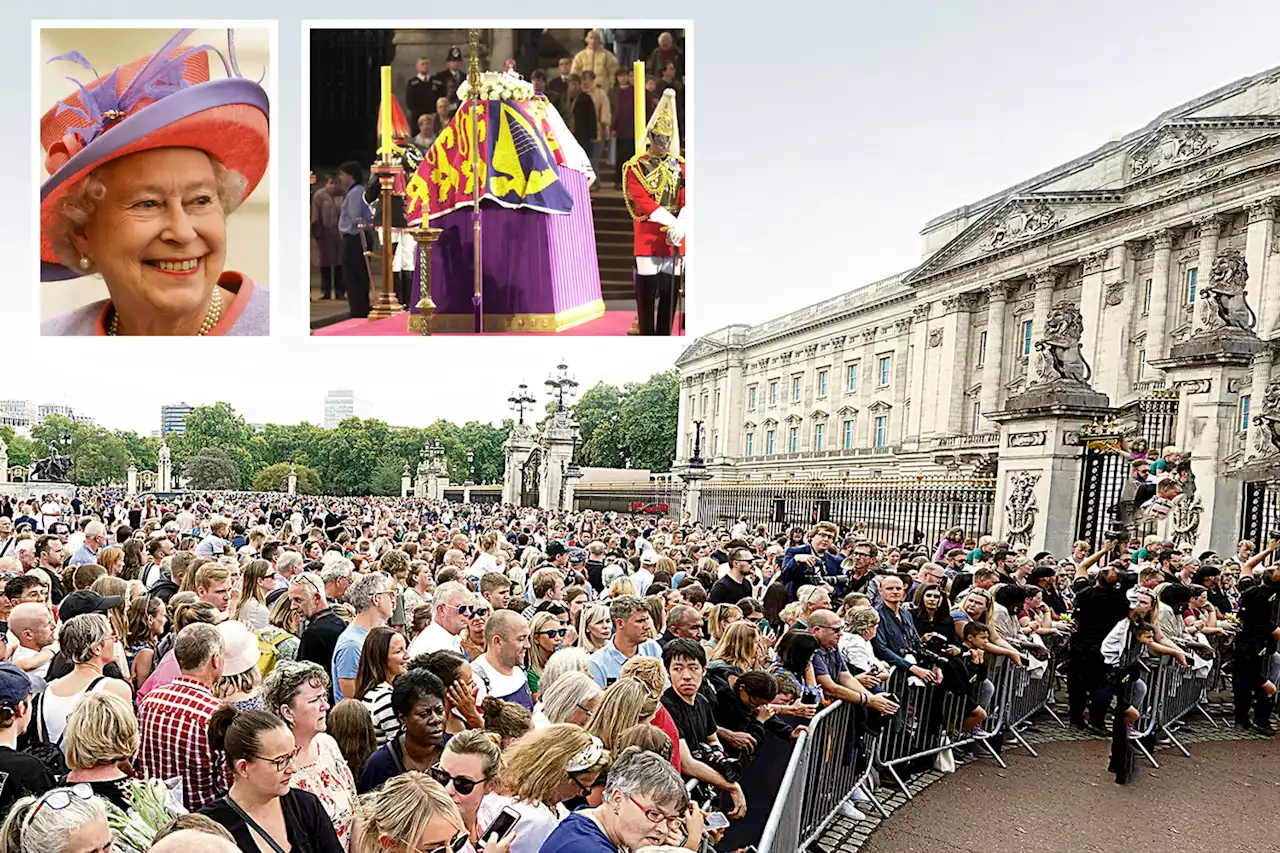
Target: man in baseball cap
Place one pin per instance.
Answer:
(20, 772)
(85, 601)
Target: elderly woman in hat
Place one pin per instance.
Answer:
(145, 165)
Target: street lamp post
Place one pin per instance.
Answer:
(470, 469)
(696, 460)
(520, 400)
(561, 385)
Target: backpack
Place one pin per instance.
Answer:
(47, 752)
(269, 640)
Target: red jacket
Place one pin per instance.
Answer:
(650, 237)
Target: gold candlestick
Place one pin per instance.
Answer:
(473, 81)
(425, 238)
(386, 304)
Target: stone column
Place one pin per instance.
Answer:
(992, 366)
(901, 391)
(1043, 280)
(1256, 441)
(693, 478)
(682, 416)
(557, 454)
(867, 386)
(406, 481)
(164, 470)
(131, 479)
(916, 380)
(1210, 227)
(4, 462)
(1259, 243)
(953, 375)
(293, 479)
(731, 407)
(1094, 265)
(421, 486)
(466, 493)
(1158, 313)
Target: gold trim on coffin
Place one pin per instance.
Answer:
(513, 322)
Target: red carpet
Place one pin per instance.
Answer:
(612, 324)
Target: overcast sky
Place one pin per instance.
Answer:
(825, 137)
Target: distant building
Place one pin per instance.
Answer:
(19, 414)
(340, 405)
(173, 418)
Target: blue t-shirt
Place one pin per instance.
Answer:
(346, 656)
(577, 834)
(829, 662)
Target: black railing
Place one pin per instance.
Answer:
(653, 498)
(895, 510)
(1259, 512)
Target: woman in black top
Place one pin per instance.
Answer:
(262, 813)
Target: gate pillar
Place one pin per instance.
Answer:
(515, 451)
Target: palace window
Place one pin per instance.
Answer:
(977, 418)
(1142, 365)
(751, 399)
(768, 442)
(982, 349)
(751, 444)
(851, 377)
(882, 431)
(1244, 413)
(1191, 284)
(1026, 337)
(793, 442)
(818, 437)
(773, 392)
(717, 409)
(885, 364)
(1146, 298)
(822, 383)
(848, 434)
(797, 385)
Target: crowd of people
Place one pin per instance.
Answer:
(275, 673)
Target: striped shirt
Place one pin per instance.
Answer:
(385, 724)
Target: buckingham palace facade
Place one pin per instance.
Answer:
(898, 377)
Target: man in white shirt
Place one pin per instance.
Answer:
(499, 670)
(7, 541)
(50, 512)
(450, 612)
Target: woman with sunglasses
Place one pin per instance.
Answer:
(298, 693)
(418, 701)
(546, 634)
(473, 645)
(467, 771)
(263, 813)
(63, 820)
(978, 606)
(258, 579)
(644, 804)
(544, 769)
(411, 814)
(385, 655)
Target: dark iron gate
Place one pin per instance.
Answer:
(345, 85)
(1260, 513)
(531, 478)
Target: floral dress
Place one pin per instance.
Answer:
(329, 778)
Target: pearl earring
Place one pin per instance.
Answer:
(84, 262)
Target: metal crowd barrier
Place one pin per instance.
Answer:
(1028, 695)
(1182, 692)
(782, 830)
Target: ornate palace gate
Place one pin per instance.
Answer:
(1260, 515)
(1152, 419)
(531, 478)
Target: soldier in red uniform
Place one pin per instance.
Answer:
(653, 186)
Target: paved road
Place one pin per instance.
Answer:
(1063, 801)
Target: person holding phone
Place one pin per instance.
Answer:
(467, 770)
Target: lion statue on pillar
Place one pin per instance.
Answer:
(1222, 298)
(1058, 355)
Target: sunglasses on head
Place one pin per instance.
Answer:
(59, 798)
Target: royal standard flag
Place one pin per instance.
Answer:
(516, 167)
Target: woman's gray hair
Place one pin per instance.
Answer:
(80, 634)
(286, 680)
(562, 662)
(77, 208)
(561, 700)
(647, 774)
(861, 619)
(48, 830)
(361, 594)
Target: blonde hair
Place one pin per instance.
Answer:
(716, 618)
(102, 729)
(625, 703)
(119, 615)
(739, 645)
(535, 765)
(110, 557)
(589, 615)
(485, 744)
(622, 586)
(401, 809)
(539, 622)
(648, 670)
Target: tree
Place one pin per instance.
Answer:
(648, 421)
(143, 451)
(217, 426)
(212, 468)
(275, 478)
(597, 413)
(20, 448)
(98, 457)
(386, 476)
(50, 433)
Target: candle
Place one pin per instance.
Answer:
(386, 110)
(637, 84)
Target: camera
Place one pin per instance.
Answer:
(934, 650)
(729, 768)
(1115, 534)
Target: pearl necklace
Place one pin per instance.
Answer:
(211, 317)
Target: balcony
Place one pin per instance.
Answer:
(957, 442)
